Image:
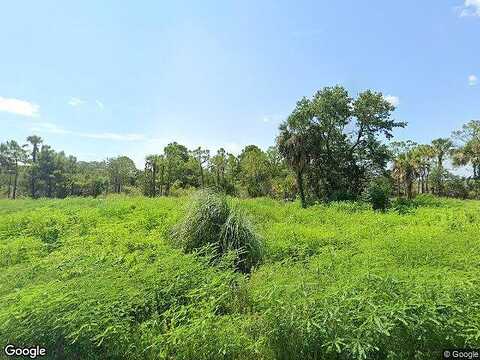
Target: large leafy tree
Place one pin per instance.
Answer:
(337, 141)
(122, 171)
(176, 157)
(255, 171)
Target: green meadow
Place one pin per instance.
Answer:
(101, 279)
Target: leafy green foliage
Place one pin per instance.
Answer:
(211, 221)
(334, 141)
(203, 221)
(238, 235)
(98, 279)
(378, 193)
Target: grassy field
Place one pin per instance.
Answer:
(99, 279)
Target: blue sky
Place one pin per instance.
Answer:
(102, 78)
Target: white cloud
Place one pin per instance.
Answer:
(54, 129)
(272, 118)
(113, 136)
(74, 101)
(393, 100)
(19, 107)
(470, 8)
(472, 80)
(49, 127)
(100, 104)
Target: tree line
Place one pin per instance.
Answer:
(331, 147)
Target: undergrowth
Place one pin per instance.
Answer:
(99, 279)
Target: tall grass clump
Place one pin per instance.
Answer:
(206, 213)
(238, 235)
(211, 221)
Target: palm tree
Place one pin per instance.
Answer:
(405, 169)
(35, 141)
(423, 155)
(293, 148)
(154, 165)
(441, 148)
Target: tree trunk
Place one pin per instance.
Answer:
(161, 180)
(15, 181)
(9, 185)
(49, 188)
(300, 188)
(409, 189)
(154, 180)
(32, 185)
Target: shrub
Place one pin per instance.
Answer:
(341, 196)
(202, 224)
(210, 220)
(238, 235)
(403, 205)
(378, 193)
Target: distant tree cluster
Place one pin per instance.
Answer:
(253, 173)
(420, 168)
(331, 147)
(36, 170)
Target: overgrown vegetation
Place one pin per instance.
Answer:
(99, 279)
(211, 221)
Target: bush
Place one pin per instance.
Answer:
(202, 224)
(238, 235)
(211, 221)
(403, 205)
(378, 193)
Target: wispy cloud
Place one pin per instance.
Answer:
(469, 8)
(472, 80)
(50, 128)
(272, 118)
(54, 129)
(113, 136)
(100, 104)
(393, 100)
(19, 107)
(74, 101)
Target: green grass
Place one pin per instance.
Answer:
(99, 279)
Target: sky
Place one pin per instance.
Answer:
(98, 79)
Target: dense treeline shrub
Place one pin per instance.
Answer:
(211, 220)
(328, 149)
(378, 193)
